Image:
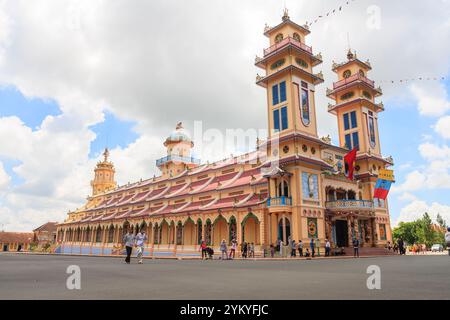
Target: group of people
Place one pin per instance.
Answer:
(298, 246)
(247, 250)
(137, 241)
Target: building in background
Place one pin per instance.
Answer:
(293, 186)
(45, 235)
(15, 241)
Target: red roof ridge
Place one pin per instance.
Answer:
(232, 180)
(203, 186)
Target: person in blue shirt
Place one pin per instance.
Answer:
(311, 246)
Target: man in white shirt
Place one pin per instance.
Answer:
(327, 248)
(140, 240)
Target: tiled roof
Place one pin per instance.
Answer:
(16, 237)
(49, 226)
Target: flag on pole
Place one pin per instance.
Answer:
(385, 179)
(349, 162)
(382, 189)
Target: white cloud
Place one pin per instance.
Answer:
(431, 98)
(413, 181)
(443, 127)
(4, 179)
(159, 62)
(406, 196)
(435, 174)
(417, 208)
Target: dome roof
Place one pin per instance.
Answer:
(178, 135)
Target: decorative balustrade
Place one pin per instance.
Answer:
(355, 77)
(279, 201)
(349, 204)
(177, 158)
(286, 42)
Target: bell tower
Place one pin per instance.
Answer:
(357, 114)
(289, 79)
(355, 107)
(104, 175)
(293, 147)
(178, 159)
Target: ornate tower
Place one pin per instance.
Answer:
(357, 114)
(178, 158)
(290, 82)
(293, 146)
(355, 108)
(104, 175)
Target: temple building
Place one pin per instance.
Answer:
(292, 186)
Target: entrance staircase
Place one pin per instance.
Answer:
(371, 252)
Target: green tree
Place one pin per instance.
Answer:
(441, 222)
(406, 231)
(425, 230)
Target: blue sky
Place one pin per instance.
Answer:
(76, 76)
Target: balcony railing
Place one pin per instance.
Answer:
(352, 78)
(279, 201)
(177, 158)
(285, 42)
(349, 204)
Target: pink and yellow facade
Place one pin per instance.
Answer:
(291, 187)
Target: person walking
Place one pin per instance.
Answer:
(223, 249)
(272, 250)
(141, 237)
(203, 247)
(327, 248)
(128, 240)
(312, 247)
(355, 248)
(293, 248)
(401, 247)
(233, 248)
(251, 250)
(300, 248)
(244, 250)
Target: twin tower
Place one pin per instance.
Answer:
(291, 84)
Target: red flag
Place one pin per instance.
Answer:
(349, 162)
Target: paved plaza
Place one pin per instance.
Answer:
(24, 276)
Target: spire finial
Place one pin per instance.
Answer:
(350, 55)
(106, 154)
(285, 14)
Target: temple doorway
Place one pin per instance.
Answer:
(280, 230)
(5, 247)
(341, 233)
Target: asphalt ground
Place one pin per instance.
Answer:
(26, 276)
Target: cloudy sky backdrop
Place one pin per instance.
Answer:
(77, 75)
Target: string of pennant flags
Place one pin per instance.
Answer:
(405, 81)
(329, 13)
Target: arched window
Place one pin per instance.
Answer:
(232, 229)
(283, 188)
(98, 235)
(351, 195)
(346, 74)
(179, 233)
(278, 37)
(199, 231)
(296, 37)
(361, 73)
(111, 234)
(156, 234)
(208, 232)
